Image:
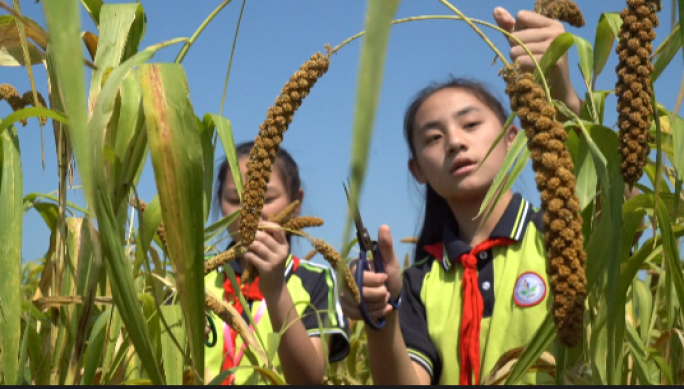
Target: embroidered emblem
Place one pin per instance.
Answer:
(530, 290)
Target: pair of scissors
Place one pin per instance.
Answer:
(367, 244)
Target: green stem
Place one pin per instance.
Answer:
(230, 61)
(201, 28)
(477, 30)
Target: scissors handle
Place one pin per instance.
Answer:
(361, 267)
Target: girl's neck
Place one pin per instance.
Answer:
(468, 226)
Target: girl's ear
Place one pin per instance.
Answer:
(300, 197)
(417, 171)
(511, 133)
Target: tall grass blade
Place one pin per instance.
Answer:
(117, 266)
(225, 133)
(11, 221)
(130, 145)
(115, 30)
(379, 16)
(540, 342)
(93, 8)
(173, 358)
(177, 160)
(603, 43)
(31, 112)
(207, 135)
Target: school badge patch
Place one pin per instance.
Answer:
(530, 290)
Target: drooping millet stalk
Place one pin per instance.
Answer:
(10, 94)
(556, 182)
(267, 144)
(301, 222)
(633, 87)
(563, 10)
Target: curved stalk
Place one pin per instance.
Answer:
(474, 21)
(230, 61)
(201, 28)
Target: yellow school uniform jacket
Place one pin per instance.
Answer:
(309, 285)
(512, 281)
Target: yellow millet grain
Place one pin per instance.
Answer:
(562, 222)
(285, 215)
(225, 257)
(228, 314)
(301, 222)
(267, 143)
(633, 87)
(335, 260)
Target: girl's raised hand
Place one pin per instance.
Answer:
(375, 293)
(537, 32)
(268, 254)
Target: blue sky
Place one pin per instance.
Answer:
(276, 37)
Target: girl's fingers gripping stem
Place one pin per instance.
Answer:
(275, 232)
(529, 19)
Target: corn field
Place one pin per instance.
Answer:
(119, 298)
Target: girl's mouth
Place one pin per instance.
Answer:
(462, 167)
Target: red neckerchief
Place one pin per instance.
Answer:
(473, 306)
(251, 292)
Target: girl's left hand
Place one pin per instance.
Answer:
(268, 254)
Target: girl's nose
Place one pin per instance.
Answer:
(454, 143)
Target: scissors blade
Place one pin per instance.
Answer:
(361, 232)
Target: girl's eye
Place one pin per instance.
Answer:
(233, 201)
(433, 138)
(269, 200)
(472, 125)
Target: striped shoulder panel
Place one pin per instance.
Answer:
(311, 273)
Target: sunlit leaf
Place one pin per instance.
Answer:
(11, 217)
(378, 23)
(176, 152)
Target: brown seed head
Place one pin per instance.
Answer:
(563, 10)
(556, 183)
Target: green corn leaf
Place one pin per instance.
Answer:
(117, 266)
(603, 43)
(93, 7)
(540, 342)
(115, 31)
(644, 299)
(176, 152)
(585, 172)
(586, 58)
(225, 132)
(113, 332)
(11, 217)
(639, 357)
(671, 251)
(11, 50)
(207, 137)
(31, 199)
(666, 53)
(130, 139)
(23, 355)
(612, 191)
(217, 228)
(508, 179)
(31, 112)
(151, 219)
(172, 357)
(96, 344)
(378, 23)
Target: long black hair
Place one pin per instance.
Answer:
(437, 210)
